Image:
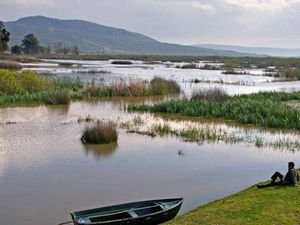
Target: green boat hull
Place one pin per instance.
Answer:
(147, 213)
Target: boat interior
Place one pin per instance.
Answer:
(124, 212)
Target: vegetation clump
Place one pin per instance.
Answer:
(10, 65)
(211, 94)
(102, 132)
(188, 66)
(121, 62)
(58, 97)
(135, 88)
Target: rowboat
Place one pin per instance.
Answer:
(146, 212)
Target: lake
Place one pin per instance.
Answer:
(46, 172)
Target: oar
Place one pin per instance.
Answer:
(72, 221)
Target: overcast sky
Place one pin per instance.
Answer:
(273, 23)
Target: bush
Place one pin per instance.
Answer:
(9, 83)
(211, 94)
(160, 86)
(32, 82)
(11, 65)
(58, 97)
(101, 133)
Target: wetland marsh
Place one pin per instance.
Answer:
(46, 172)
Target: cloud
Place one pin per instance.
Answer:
(262, 5)
(203, 6)
(29, 2)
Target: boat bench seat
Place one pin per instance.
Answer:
(132, 214)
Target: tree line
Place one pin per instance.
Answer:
(31, 45)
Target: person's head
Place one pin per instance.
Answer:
(291, 165)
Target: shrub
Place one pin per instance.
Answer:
(11, 65)
(9, 84)
(100, 133)
(211, 94)
(160, 86)
(32, 82)
(58, 97)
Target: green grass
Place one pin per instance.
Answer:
(265, 109)
(279, 205)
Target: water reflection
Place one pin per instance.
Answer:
(101, 151)
(42, 160)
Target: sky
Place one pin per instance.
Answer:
(265, 23)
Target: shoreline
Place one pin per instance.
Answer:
(274, 205)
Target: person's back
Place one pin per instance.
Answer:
(290, 178)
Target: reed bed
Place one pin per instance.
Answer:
(121, 62)
(265, 109)
(211, 94)
(10, 65)
(135, 88)
(102, 132)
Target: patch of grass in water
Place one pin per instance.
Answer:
(102, 132)
(265, 109)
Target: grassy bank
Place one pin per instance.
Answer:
(278, 205)
(265, 109)
(28, 87)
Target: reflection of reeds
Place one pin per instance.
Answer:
(189, 132)
(102, 132)
(101, 151)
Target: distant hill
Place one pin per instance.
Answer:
(91, 37)
(282, 52)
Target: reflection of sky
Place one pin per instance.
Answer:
(108, 73)
(45, 171)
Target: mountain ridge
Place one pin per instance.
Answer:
(93, 37)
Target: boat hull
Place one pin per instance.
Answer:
(151, 218)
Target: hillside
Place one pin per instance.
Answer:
(281, 52)
(91, 37)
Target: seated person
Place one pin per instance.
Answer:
(290, 178)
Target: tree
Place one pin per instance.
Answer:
(30, 44)
(66, 49)
(75, 50)
(17, 49)
(58, 47)
(4, 38)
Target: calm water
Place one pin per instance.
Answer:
(46, 172)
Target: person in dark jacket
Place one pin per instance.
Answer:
(290, 178)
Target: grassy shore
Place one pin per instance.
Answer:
(265, 109)
(279, 205)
